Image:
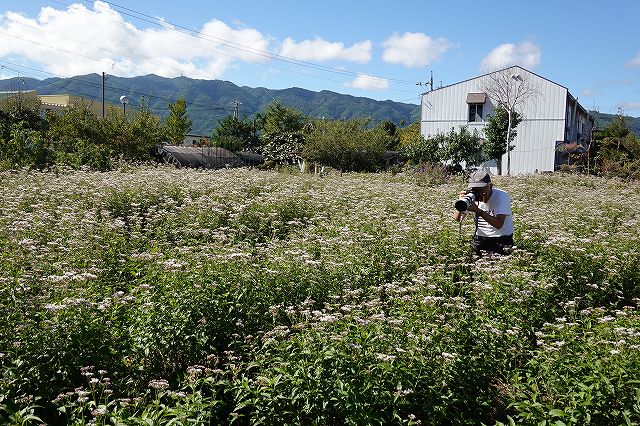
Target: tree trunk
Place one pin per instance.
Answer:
(509, 144)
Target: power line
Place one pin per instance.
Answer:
(240, 47)
(141, 59)
(193, 106)
(153, 20)
(80, 42)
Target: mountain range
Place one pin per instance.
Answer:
(211, 100)
(601, 120)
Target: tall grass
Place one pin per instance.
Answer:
(158, 296)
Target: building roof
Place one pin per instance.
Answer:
(12, 93)
(207, 157)
(582, 109)
(497, 71)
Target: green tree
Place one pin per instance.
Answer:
(279, 119)
(75, 122)
(20, 109)
(462, 146)
(618, 128)
(283, 134)
(25, 147)
(346, 145)
(409, 133)
(511, 90)
(495, 134)
(236, 134)
(78, 138)
(177, 124)
(424, 150)
(616, 150)
(392, 130)
(133, 137)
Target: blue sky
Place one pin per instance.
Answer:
(375, 49)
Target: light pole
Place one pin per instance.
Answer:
(515, 77)
(124, 100)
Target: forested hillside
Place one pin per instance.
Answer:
(602, 120)
(210, 100)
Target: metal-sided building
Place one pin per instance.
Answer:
(551, 118)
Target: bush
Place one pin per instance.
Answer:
(463, 146)
(26, 148)
(85, 154)
(346, 145)
(282, 148)
(424, 150)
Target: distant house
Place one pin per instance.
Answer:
(56, 103)
(551, 119)
(196, 140)
(26, 94)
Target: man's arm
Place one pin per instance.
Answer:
(495, 221)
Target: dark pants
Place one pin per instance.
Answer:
(498, 245)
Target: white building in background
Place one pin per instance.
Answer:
(551, 118)
(57, 103)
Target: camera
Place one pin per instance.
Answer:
(464, 202)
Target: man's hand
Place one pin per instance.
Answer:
(473, 207)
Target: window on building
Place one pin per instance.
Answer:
(475, 102)
(475, 113)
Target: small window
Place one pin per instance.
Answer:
(475, 113)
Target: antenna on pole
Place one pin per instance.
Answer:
(236, 106)
(428, 83)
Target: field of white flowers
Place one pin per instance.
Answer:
(162, 296)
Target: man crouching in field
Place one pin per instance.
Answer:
(492, 214)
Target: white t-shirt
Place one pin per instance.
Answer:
(499, 203)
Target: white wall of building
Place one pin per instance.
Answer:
(544, 118)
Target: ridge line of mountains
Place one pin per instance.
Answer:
(211, 100)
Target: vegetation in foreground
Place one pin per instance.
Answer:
(157, 296)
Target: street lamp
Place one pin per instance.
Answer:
(124, 100)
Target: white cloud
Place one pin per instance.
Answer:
(414, 50)
(629, 106)
(78, 40)
(589, 93)
(322, 50)
(617, 83)
(525, 54)
(368, 82)
(635, 62)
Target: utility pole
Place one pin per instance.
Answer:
(103, 79)
(428, 83)
(236, 106)
(21, 83)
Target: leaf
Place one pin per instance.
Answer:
(557, 413)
